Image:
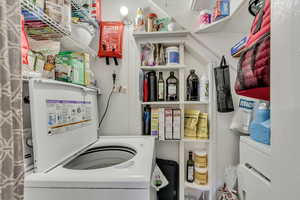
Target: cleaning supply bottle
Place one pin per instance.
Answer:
(139, 24)
(192, 86)
(146, 88)
(260, 126)
(204, 88)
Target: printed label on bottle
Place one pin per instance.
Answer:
(190, 173)
(160, 91)
(172, 89)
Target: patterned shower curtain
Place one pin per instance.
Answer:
(11, 125)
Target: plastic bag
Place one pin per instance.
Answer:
(243, 116)
(222, 79)
(190, 123)
(224, 193)
(25, 44)
(158, 180)
(230, 177)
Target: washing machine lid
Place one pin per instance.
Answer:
(64, 120)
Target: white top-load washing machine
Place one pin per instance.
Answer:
(254, 171)
(70, 161)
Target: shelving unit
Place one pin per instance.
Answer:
(162, 103)
(162, 67)
(67, 36)
(160, 34)
(196, 187)
(195, 140)
(235, 7)
(184, 144)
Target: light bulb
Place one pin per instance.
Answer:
(124, 11)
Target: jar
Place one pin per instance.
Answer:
(201, 159)
(172, 54)
(201, 176)
(151, 22)
(204, 17)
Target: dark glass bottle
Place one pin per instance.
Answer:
(190, 168)
(192, 86)
(172, 88)
(152, 81)
(161, 87)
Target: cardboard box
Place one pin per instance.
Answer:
(161, 128)
(154, 121)
(176, 124)
(168, 124)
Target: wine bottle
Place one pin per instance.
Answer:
(161, 87)
(190, 168)
(172, 88)
(192, 84)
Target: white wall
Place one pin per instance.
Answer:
(119, 119)
(285, 95)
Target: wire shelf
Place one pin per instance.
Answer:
(28, 5)
(76, 6)
(66, 34)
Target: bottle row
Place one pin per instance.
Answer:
(158, 89)
(164, 123)
(196, 168)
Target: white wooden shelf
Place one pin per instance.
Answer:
(163, 67)
(169, 141)
(161, 103)
(197, 187)
(217, 25)
(195, 140)
(196, 102)
(160, 34)
(165, 147)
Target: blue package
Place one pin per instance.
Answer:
(236, 49)
(225, 8)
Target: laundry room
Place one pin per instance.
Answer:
(149, 99)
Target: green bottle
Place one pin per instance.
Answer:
(190, 168)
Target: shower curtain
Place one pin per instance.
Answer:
(11, 125)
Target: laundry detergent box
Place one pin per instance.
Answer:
(63, 67)
(161, 129)
(176, 124)
(168, 124)
(78, 69)
(154, 121)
